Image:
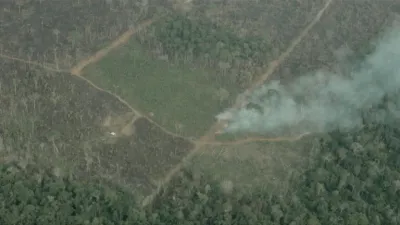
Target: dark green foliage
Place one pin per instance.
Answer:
(42, 198)
(355, 180)
(180, 35)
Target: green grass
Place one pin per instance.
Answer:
(174, 93)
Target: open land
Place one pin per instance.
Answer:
(181, 98)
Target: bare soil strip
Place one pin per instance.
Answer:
(210, 135)
(77, 70)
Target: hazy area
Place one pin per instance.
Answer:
(326, 101)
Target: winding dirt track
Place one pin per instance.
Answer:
(209, 137)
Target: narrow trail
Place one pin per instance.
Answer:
(209, 137)
(124, 38)
(34, 63)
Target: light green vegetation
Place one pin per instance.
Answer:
(182, 98)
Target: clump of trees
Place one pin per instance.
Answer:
(187, 40)
(355, 179)
(40, 197)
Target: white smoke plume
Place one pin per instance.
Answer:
(324, 101)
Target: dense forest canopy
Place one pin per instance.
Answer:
(32, 196)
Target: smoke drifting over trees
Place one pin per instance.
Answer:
(325, 101)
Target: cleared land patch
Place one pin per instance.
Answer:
(180, 97)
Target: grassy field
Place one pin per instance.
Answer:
(181, 97)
